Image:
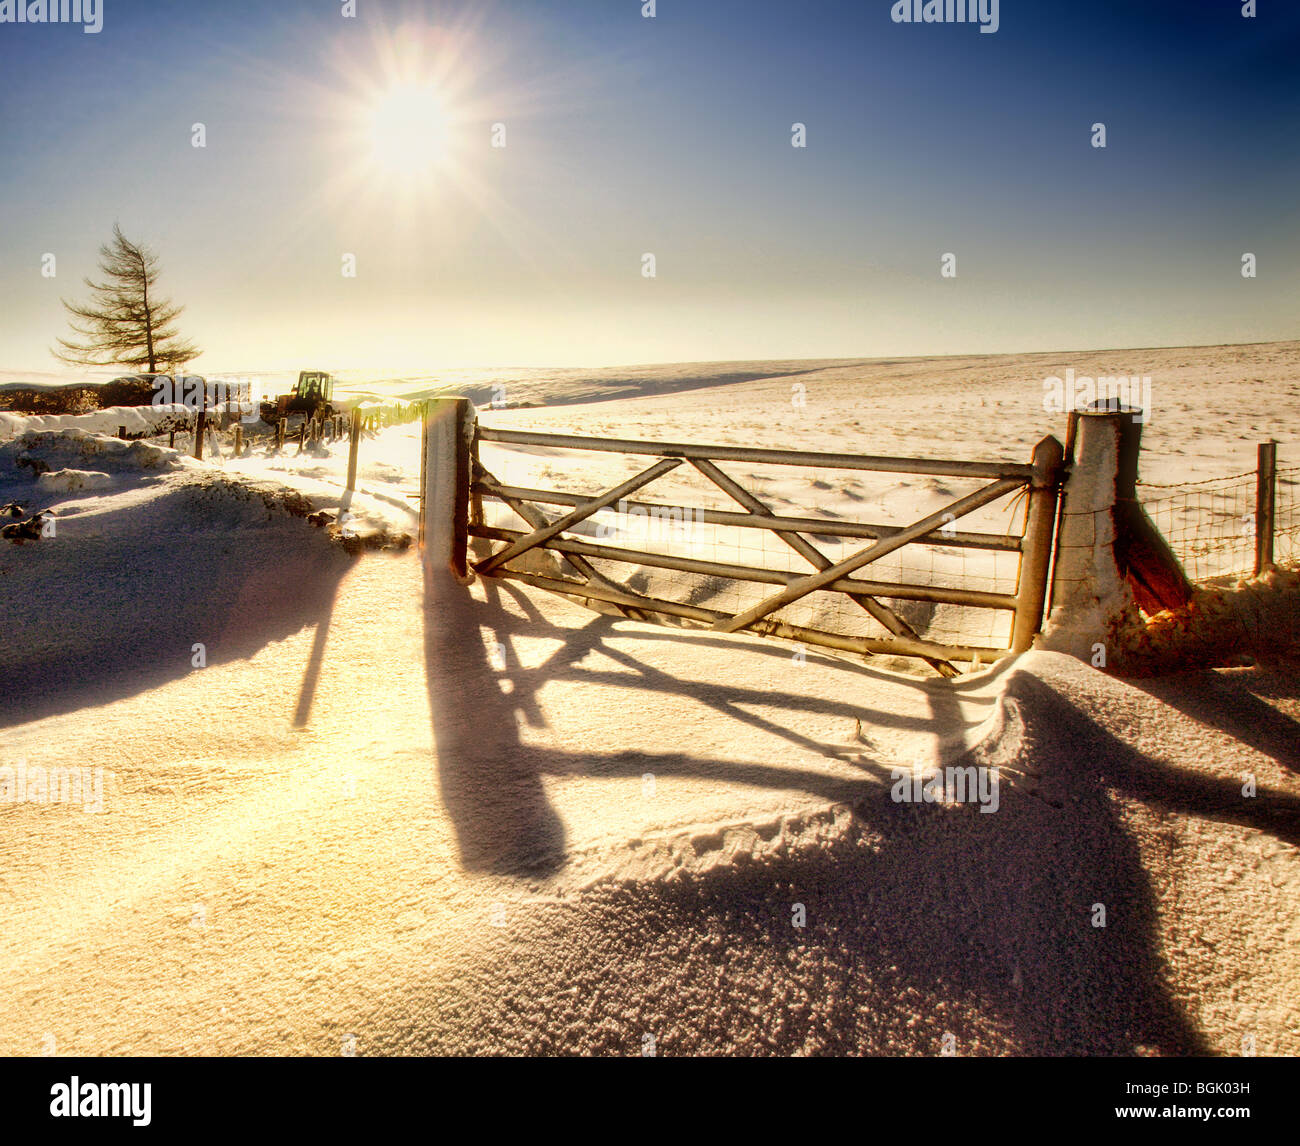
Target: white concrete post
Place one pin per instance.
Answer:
(444, 486)
(1091, 600)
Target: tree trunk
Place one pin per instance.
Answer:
(148, 317)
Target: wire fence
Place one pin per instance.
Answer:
(325, 458)
(1212, 525)
(1286, 531)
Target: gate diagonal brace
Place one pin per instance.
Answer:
(581, 513)
(538, 520)
(819, 561)
(797, 590)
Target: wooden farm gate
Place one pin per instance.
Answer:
(470, 482)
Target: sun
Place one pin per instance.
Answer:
(405, 125)
(407, 128)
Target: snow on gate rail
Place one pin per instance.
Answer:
(579, 555)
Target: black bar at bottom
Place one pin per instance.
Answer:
(342, 1095)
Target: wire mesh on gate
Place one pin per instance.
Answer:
(793, 491)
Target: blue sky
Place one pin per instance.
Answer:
(670, 135)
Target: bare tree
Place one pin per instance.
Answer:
(125, 322)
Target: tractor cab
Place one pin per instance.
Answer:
(314, 386)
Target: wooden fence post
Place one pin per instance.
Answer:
(1265, 505)
(239, 439)
(476, 514)
(200, 425)
(353, 443)
(424, 480)
(444, 485)
(1036, 554)
(279, 435)
(171, 439)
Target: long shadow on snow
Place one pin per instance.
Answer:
(90, 628)
(491, 780)
(491, 783)
(1230, 705)
(994, 910)
(998, 908)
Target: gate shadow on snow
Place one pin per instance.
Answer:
(995, 909)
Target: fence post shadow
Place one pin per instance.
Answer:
(490, 780)
(311, 676)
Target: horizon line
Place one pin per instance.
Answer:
(846, 359)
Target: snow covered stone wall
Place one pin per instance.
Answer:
(42, 451)
(140, 421)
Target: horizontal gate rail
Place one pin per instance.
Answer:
(1003, 542)
(931, 466)
(896, 646)
(850, 585)
(545, 531)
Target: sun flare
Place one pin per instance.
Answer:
(407, 127)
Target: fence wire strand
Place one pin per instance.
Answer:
(1286, 527)
(1210, 524)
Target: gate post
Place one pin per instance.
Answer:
(1091, 599)
(1036, 551)
(449, 425)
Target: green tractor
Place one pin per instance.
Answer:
(311, 396)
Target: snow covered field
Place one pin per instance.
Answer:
(384, 821)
